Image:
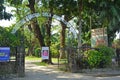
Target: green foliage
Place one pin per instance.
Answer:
(55, 42)
(15, 2)
(31, 58)
(40, 63)
(116, 43)
(108, 53)
(7, 38)
(97, 10)
(110, 7)
(54, 50)
(93, 58)
(37, 52)
(99, 59)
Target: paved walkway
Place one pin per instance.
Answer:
(34, 72)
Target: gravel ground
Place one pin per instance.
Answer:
(34, 72)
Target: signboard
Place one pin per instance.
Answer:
(45, 53)
(99, 37)
(4, 54)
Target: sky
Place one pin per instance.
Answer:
(7, 23)
(117, 35)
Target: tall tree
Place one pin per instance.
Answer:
(34, 23)
(67, 10)
(108, 12)
(7, 38)
(49, 8)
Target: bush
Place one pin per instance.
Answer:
(37, 52)
(108, 53)
(54, 50)
(99, 59)
(93, 58)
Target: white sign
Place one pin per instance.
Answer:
(45, 53)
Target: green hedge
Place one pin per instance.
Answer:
(108, 54)
(99, 58)
(93, 58)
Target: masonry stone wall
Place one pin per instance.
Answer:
(7, 67)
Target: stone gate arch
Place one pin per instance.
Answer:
(20, 53)
(45, 14)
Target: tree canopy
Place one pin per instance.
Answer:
(85, 14)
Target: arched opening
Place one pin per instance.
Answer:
(21, 49)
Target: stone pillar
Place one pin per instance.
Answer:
(20, 61)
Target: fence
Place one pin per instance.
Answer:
(68, 63)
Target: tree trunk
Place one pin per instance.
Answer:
(34, 24)
(62, 39)
(80, 8)
(79, 33)
(37, 32)
(48, 38)
(30, 50)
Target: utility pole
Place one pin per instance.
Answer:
(79, 35)
(80, 7)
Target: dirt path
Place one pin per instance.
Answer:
(34, 72)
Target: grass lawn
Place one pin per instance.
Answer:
(32, 58)
(39, 63)
(54, 60)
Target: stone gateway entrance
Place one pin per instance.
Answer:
(17, 65)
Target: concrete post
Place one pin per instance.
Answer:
(20, 61)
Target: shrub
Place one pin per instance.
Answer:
(54, 50)
(93, 58)
(37, 52)
(107, 53)
(99, 58)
